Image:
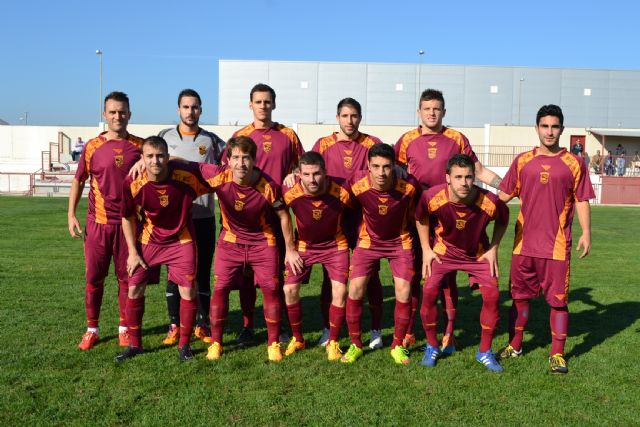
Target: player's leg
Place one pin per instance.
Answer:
(188, 309)
(357, 287)
(294, 312)
(120, 255)
(325, 306)
(555, 287)
(450, 306)
(248, 297)
(401, 263)
(376, 297)
(410, 338)
(205, 239)
(337, 263)
(489, 317)
(134, 314)
(172, 296)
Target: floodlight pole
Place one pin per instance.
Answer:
(520, 98)
(99, 53)
(421, 55)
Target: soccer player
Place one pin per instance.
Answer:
(278, 152)
(318, 202)
(550, 182)
(106, 159)
(424, 152)
(459, 213)
(158, 227)
(247, 239)
(190, 142)
(345, 152)
(388, 203)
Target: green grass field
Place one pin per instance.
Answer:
(45, 380)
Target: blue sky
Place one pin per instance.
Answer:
(153, 49)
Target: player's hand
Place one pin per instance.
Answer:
(290, 180)
(293, 259)
(133, 262)
(585, 244)
(427, 259)
(137, 169)
(74, 227)
(491, 256)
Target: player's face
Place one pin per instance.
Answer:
(155, 160)
(189, 110)
(349, 120)
(431, 114)
(549, 130)
(116, 114)
(460, 181)
(312, 178)
(241, 164)
(262, 105)
(381, 171)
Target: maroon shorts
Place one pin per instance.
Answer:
(180, 260)
(531, 277)
(101, 243)
(231, 260)
(365, 262)
(479, 273)
(336, 262)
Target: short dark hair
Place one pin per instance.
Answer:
(261, 87)
(191, 93)
(550, 110)
(382, 150)
(350, 102)
(117, 96)
(462, 161)
(313, 158)
(244, 144)
(431, 95)
(156, 142)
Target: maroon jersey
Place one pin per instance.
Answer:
(387, 215)
(107, 163)
(460, 229)
(344, 157)
(318, 218)
(164, 208)
(245, 210)
(548, 187)
(279, 150)
(426, 155)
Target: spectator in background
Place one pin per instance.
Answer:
(586, 159)
(620, 164)
(596, 162)
(608, 164)
(620, 150)
(577, 148)
(635, 163)
(77, 149)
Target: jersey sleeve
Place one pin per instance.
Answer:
(466, 149)
(422, 207)
(584, 188)
(213, 175)
(509, 183)
(128, 207)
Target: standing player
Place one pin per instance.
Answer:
(550, 182)
(318, 202)
(460, 212)
(424, 152)
(158, 227)
(345, 153)
(189, 141)
(247, 239)
(106, 159)
(278, 152)
(388, 203)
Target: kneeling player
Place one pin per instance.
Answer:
(459, 212)
(388, 203)
(317, 202)
(162, 197)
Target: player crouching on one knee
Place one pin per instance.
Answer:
(458, 213)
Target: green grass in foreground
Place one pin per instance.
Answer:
(44, 379)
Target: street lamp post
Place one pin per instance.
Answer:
(99, 53)
(420, 54)
(520, 98)
(25, 117)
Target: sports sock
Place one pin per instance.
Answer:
(173, 302)
(247, 300)
(518, 318)
(450, 304)
(325, 298)
(489, 316)
(429, 314)
(123, 294)
(134, 313)
(294, 312)
(415, 300)
(92, 303)
(375, 296)
(272, 313)
(401, 315)
(188, 310)
(559, 322)
(336, 319)
(218, 313)
(353, 315)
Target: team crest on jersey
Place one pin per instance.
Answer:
(544, 177)
(432, 152)
(239, 205)
(317, 214)
(461, 223)
(266, 146)
(347, 161)
(383, 209)
(202, 149)
(164, 200)
(118, 160)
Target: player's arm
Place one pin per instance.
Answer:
(583, 209)
(487, 176)
(291, 257)
(428, 255)
(77, 188)
(134, 260)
